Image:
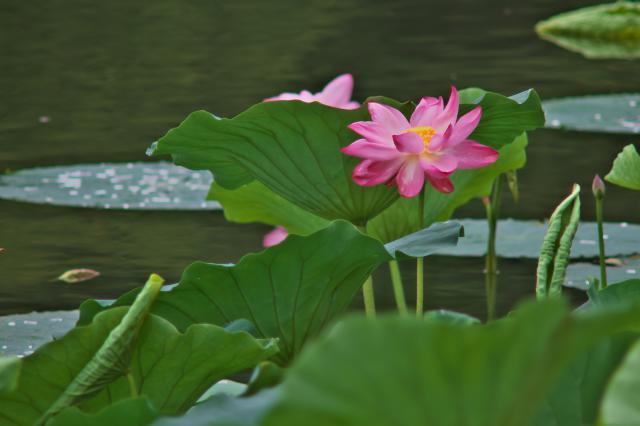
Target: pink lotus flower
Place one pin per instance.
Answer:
(431, 145)
(337, 94)
(274, 237)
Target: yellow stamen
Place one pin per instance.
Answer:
(425, 133)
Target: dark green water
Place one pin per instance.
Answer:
(113, 76)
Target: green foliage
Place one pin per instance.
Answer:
(289, 291)
(125, 352)
(323, 187)
(113, 357)
(620, 405)
(604, 31)
(556, 247)
(224, 410)
(9, 372)
(626, 169)
(422, 372)
(293, 148)
(613, 113)
(131, 412)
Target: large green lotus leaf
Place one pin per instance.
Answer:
(255, 202)
(270, 141)
(402, 217)
(292, 147)
(580, 274)
(289, 291)
(126, 186)
(604, 31)
(170, 368)
(576, 396)
(130, 412)
(503, 118)
(403, 371)
(615, 113)
(620, 405)
(626, 167)
(622, 292)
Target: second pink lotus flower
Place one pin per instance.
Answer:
(430, 146)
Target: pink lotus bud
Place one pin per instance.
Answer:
(598, 187)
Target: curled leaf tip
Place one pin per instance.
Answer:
(154, 282)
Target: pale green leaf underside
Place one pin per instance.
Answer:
(626, 168)
(604, 31)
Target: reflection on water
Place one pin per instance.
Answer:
(110, 77)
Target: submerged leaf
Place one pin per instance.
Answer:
(614, 113)
(603, 31)
(78, 275)
(579, 274)
(556, 247)
(126, 186)
(626, 168)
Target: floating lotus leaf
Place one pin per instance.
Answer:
(616, 113)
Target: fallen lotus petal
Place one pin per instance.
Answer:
(78, 275)
(337, 94)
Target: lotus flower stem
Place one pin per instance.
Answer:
(133, 388)
(369, 298)
(420, 260)
(598, 189)
(492, 207)
(368, 294)
(398, 289)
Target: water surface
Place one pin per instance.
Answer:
(86, 82)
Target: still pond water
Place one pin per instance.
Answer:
(113, 76)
